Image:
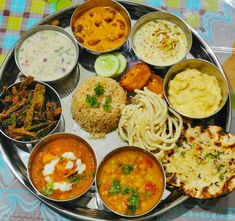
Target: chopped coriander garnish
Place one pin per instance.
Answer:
(119, 164)
(221, 176)
(62, 158)
(108, 99)
(115, 187)
(48, 189)
(134, 198)
(149, 194)
(99, 90)
(220, 167)
(92, 101)
(75, 178)
(107, 107)
(92, 174)
(133, 202)
(183, 153)
(127, 169)
(214, 155)
(125, 190)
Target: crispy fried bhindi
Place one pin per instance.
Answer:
(36, 104)
(26, 113)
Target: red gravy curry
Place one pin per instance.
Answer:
(63, 168)
(130, 182)
(101, 29)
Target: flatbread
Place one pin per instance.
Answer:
(203, 164)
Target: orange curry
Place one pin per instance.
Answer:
(101, 29)
(130, 182)
(63, 168)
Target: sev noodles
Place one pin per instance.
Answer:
(146, 123)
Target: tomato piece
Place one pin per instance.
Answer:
(150, 187)
(118, 170)
(149, 162)
(155, 84)
(136, 77)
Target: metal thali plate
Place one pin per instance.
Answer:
(89, 207)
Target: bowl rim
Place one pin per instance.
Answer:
(52, 137)
(183, 23)
(131, 147)
(37, 29)
(167, 80)
(73, 17)
(29, 142)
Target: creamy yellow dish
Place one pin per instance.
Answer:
(194, 94)
(160, 43)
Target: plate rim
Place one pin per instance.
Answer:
(59, 208)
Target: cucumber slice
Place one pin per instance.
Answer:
(122, 64)
(106, 65)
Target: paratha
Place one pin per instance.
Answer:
(203, 164)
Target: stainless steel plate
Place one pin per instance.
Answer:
(89, 207)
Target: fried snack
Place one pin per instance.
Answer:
(136, 77)
(26, 113)
(155, 84)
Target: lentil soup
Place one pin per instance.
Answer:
(130, 181)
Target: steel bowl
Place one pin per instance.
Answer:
(96, 3)
(118, 150)
(161, 15)
(39, 146)
(52, 95)
(41, 28)
(204, 67)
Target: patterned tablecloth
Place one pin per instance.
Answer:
(214, 21)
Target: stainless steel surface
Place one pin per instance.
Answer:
(52, 95)
(167, 17)
(41, 28)
(95, 3)
(41, 145)
(205, 67)
(89, 206)
(124, 148)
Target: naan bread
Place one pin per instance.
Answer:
(203, 164)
